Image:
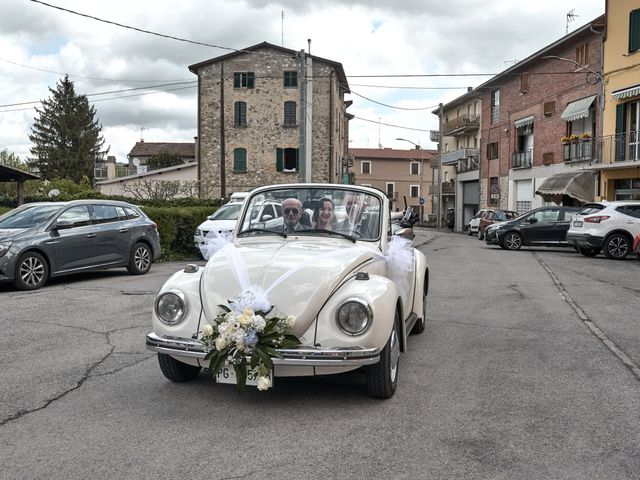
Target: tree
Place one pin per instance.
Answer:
(12, 160)
(149, 189)
(164, 159)
(66, 136)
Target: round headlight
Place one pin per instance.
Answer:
(354, 316)
(171, 307)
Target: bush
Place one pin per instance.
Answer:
(176, 227)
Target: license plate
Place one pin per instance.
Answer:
(577, 223)
(228, 375)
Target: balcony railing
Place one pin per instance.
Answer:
(461, 124)
(448, 188)
(624, 147)
(522, 159)
(459, 154)
(579, 150)
(468, 164)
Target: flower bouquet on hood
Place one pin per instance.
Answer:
(247, 341)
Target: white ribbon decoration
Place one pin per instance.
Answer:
(214, 242)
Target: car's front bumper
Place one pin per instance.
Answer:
(584, 240)
(353, 356)
(491, 237)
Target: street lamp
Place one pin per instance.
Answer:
(418, 147)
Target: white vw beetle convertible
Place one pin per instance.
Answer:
(325, 288)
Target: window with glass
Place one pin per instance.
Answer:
(414, 191)
(243, 80)
(291, 79)
(495, 106)
(366, 168)
(414, 168)
(286, 159)
(76, 216)
(105, 213)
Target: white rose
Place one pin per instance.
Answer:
(248, 312)
(221, 343)
(207, 331)
(290, 321)
(259, 323)
(263, 383)
(245, 320)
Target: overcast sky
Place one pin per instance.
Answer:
(380, 38)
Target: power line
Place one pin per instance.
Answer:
(408, 88)
(389, 106)
(390, 125)
(85, 77)
(138, 29)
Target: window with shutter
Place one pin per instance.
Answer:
(290, 114)
(549, 108)
(524, 82)
(621, 127)
(240, 114)
(243, 80)
(634, 30)
(239, 160)
(279, 160)
(291, 79)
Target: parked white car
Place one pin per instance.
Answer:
(474, 223)
(284, 300)
(223, 221)
(609, 227)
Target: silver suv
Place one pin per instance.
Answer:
(43, 240)
(609, 227)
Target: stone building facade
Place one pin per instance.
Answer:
(268, 115)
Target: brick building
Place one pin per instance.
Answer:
(398, 173)
(540, 118)
(268, 114)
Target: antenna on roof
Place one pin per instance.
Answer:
(570, 18)
(282, 27)
(141, 129)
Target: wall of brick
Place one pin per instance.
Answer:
(550, 80)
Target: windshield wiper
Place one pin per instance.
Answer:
(331, 232)
(262, 230)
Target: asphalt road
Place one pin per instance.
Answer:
(528, 369)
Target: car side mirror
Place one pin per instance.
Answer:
(406, 233)
(266, 218)
(62, 225)
(533, 220)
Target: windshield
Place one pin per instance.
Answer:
(314, 211)
(28, 217)
(227, 212)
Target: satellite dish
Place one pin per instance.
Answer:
(54, 192)
(136, 162)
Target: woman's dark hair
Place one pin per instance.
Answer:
(316, 211)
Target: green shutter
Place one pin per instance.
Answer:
(239, 160)
(236, 80)
(279, 160)
(297, 160)
(621, 127)
(250, 80)
(634, 30)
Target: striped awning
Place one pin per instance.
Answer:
(578, 109)
(626, 92)
(523, 122)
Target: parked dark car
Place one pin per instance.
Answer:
(545, 226)
(43, 240)
(494, 216)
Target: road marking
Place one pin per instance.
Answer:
(584, 318)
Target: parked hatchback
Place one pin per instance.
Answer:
(609, 227)
(494, 216)
(474, 223)
(545, 226)
(43, 240)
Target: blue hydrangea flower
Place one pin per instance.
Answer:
(250, 338)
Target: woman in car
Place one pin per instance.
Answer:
(324, 215)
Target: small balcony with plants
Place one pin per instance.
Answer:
(578, 148)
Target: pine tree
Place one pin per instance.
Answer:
(66, 136)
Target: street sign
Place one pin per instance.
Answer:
(421, 200)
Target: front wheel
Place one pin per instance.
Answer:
(382, 377)
(617, 246)
(512, 241)
(32, 271)
(588, 251)
(140, 259)
(176, 371)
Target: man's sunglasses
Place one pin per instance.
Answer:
(291, 211)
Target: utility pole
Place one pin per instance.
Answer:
(440, 116)
(302, 147)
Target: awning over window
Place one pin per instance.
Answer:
(578, 185)
(578, 109)
(626, 92)
(523, 122)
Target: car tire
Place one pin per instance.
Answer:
(176, 371)
(32, 271)
(617, 246)
(512, 241)
(140, 259)
(421, 324)
(382, 377)
(588, 251)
